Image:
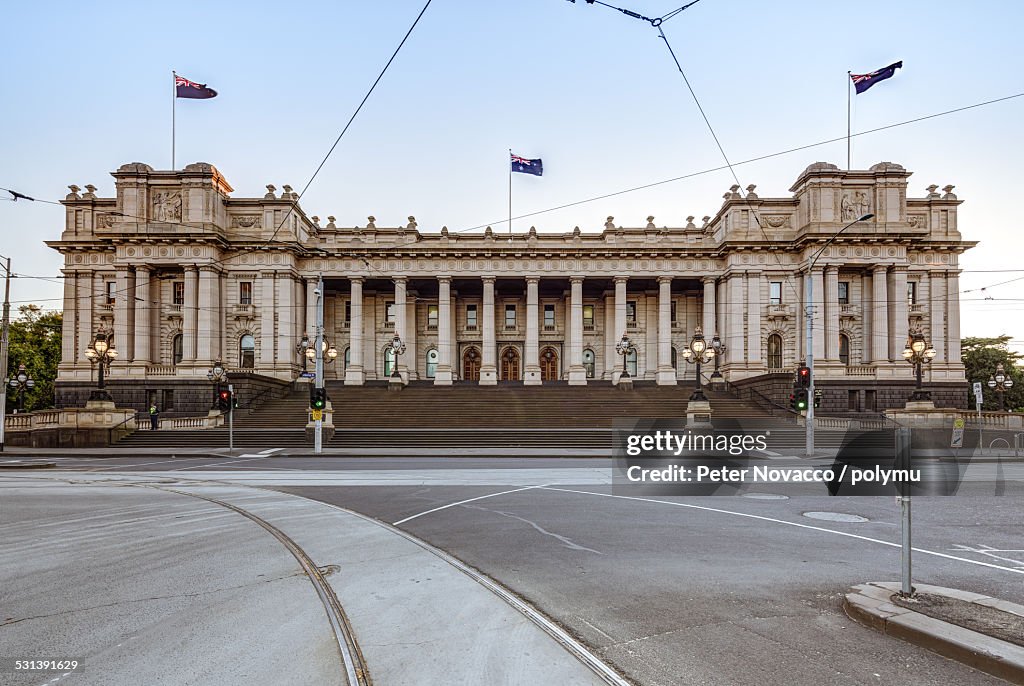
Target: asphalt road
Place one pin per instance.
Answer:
(713, 590)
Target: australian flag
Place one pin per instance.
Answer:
(190, 89)
(864, 81)
(521, 164)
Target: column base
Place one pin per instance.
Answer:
(488, 376)
(531, 376)
(354, 376)
(443, 376)
(698, 414)
(577, 376)
(667, 376)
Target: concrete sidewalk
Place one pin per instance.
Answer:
(873, 604)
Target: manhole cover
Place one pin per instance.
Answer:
(766, 496)
(835, 516)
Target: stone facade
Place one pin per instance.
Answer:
(185, 275)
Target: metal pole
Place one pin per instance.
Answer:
(174, 114)
(903, 461)
(318, 437)
(3, 349)
(231, 418)
(849, 78)
(809, 339)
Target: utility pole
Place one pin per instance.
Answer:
(3, 348)
(318, 345)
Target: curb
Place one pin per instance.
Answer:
(870, 604)
(18, 464)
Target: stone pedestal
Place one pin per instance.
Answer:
(327, 427)
(625, 383)
(698, 414)
(488, 375)
(395, 383)
(577, 376)
(919, 406)
(667, 376)
(354, 376)
(531, 376)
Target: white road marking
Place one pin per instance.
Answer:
(988, 551)
(216, 464)
(143, 464)
(788, 523)
(462, 502)
(262, 453)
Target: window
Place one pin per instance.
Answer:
(510, 316)
(177, 349)
(112, 292)
(348, 313)
(432, 317)
(775, 351)
(775, 293)
(588, 362)
(674, 358)
(844, 348)
(389, 360)
(432, 357)
(631, 312)
(844, 292)
(911, 292)
(245, 293)
(672, 315)
(549, 317)
(178, 294)
(471, 317)
(168, 403)
(389, 315)
(247, 351)
(588, 317)
(631, 362)
(348, 357)
(853, 401)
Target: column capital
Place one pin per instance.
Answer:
(488, 278)
(664, 279)
(880, 268)
(831, 268)
(620, 279)
(444, 279)
(399, 279)
(532, 279)
(900, 268)
(192, 268)
(143, 268)
(355, 279)
(575, 278)
(710, 279)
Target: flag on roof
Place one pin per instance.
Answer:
(864, 81)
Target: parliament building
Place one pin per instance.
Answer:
(185, 274)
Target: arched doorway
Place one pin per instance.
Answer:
(471, 364)
(588, 362)
(549, 364)
(510, 364)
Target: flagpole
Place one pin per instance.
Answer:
(510, 195)
(849, 78)
(174, 113)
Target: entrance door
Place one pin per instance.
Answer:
(510, 365)
(548, 364)
(471, 364)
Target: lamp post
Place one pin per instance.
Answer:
(5, 324)
(918, 353)
(20, 383)
(301, 349)
(397, 348)
(809, 337)
(101, 352)
(697, 352)
(718, 347)
(217, 376)
(624, 347)
(1000, 382)
(330, 353)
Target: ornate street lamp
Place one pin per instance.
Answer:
(397, 348)
(698, 353)
(624, 347)
(301, 350)
(101, 352)
(918, 353)
(718, 348)
(217, 376)
(329, 351)
(1000, 382)
(20, 384)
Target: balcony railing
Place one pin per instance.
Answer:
(160, 370)
(550, 327)
(859, 370)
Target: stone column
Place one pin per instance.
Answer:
(531, 363)
(899, 325)
(879, 316)
(818, 326)
(754, 337)
(190, 315)
(831, 303)
(310, 328)
(355, 375)
(142, 318)
(72, 304)
(866, 319)
(409, 336)
(400, 327)
(443, 375)
(953, 301)
(209, 301)
(710, 325)
(611, 360)
(86, 296)
(124, 313)
(734, 311)
(577, 372)
(489, 355)
(666, 375)
(266, 306)
(287, 313)
(937, 300)
(620, 323)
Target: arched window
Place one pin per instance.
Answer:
(389, 360)
(177, 349)
(432, 357)
(247, 351)
(588, 362)
(775, 351)
(348, 357)
(631, 362)
(674, 359)
(844, 348)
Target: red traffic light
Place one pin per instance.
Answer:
(803, 375)
(224, 395)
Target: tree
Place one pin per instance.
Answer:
(35, 341)
(980, 356)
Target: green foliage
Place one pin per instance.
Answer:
(35, 341)
(980, 356)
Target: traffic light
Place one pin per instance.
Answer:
(318, 398)
(792, 400)
(817, 397)
(224, 400)
(803, 376)
(801, 399)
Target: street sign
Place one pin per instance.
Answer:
(957, 440)
(977, 392)
(307, 375)
(318, 415)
